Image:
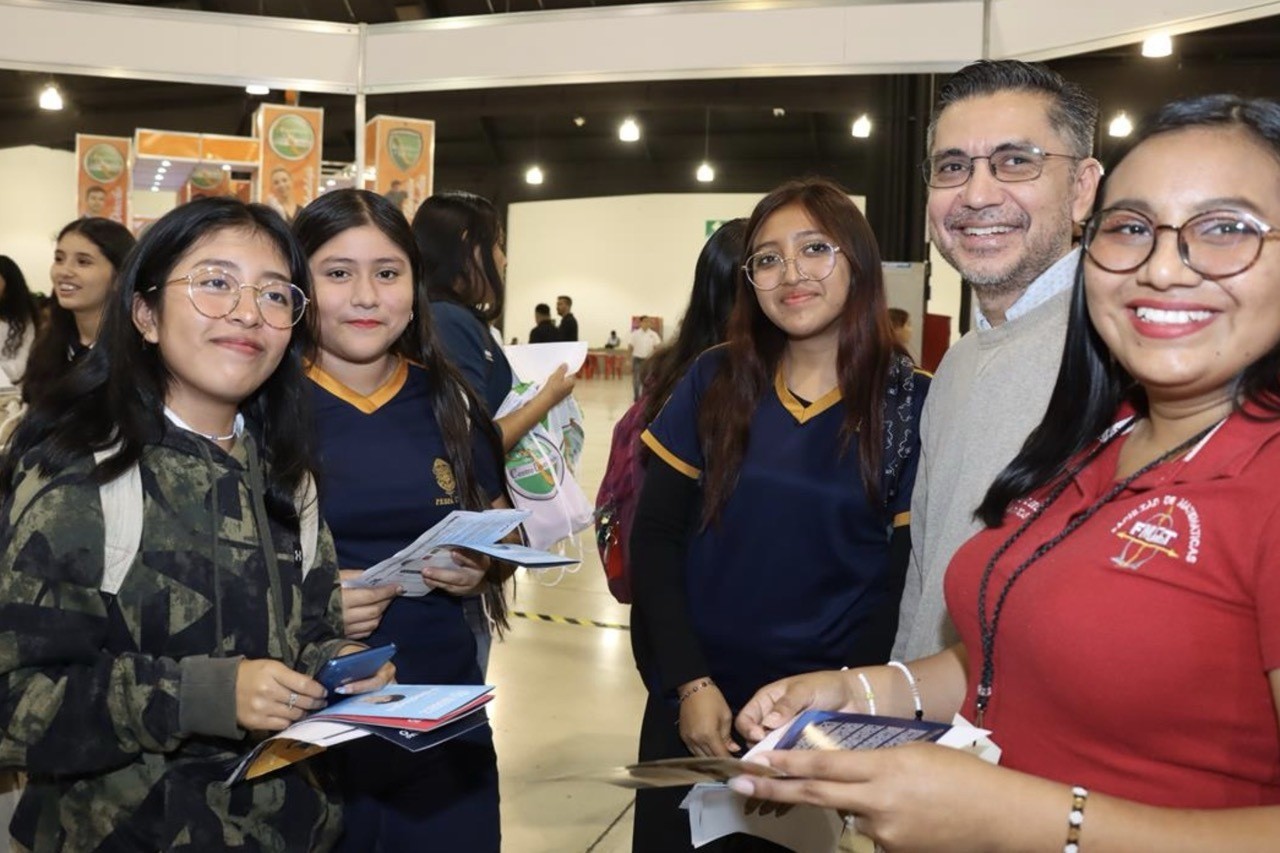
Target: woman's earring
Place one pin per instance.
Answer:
(410, 315)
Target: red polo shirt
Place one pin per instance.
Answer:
(1133, 657)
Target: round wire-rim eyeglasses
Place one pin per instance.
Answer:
(266, 299)
(828, 257)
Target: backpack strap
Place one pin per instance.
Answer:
(307, 503)
(122, 519)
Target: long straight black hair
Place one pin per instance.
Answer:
(456, 233)
(452, 401)
(116, 392)
(17, 307)
(1092, 385)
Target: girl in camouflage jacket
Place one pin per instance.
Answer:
(128, 710)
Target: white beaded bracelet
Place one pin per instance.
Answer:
(911, 682)
(1075, 819)
(869, 693)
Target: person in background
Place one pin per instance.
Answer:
(644, 340)
(568, 327)
(900, 319)
(127, 698)
(808, 405)
(464, 264)
(281, 198)
(19, 320)
(613, 341)
(544, 332)
(397, 195)
(88, 254)
(403, 442)
(95, 201)
(1131, 534)
(1009, 173)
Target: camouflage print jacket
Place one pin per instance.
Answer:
(122, 709)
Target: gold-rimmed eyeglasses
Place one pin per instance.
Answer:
(1214, 244)
(814, 262)
(215, 293)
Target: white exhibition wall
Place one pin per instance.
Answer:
(39, 198)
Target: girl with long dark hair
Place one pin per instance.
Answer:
(88, 255)
(403, 442)
(135, 691)
(772, 526)
(18, 320)
(1120, 615)
(464, 266)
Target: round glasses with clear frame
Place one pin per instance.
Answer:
(215, 293)
(814, 262)
(1012, 164)
(1214, 244)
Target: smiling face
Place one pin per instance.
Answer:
(1186, 337)
(363, 297)
(216, 364)
(1002, 236)
(282, 185)
(802, 308)
(81, 274)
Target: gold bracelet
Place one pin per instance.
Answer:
(701, 683)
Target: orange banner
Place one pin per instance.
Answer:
(290, 172)
(167, 143)
(402, 151)
(206, 181)
(102, 177)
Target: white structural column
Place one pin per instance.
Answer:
(723, 38)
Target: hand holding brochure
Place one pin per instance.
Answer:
(475, 531)
(402, 710)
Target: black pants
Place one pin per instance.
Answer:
(661, 826)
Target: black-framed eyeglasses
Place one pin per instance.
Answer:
(814, 262)
(1214, 244)
(215, 293)
(1011, 164)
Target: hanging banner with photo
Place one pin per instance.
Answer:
(206, 182)
(402, 152)
(289, 175)
(102, 177)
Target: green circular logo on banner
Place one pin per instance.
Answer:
(405, 148)
(291, 137)
(103, 163)
(205, 177)
(535, 473)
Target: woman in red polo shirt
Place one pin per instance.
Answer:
(1120, 617)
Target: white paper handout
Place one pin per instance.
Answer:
(476, 531)
(535, 362)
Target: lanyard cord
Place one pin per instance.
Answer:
(989, 627)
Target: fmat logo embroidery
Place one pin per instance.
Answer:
(1167, 525)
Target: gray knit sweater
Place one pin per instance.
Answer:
(990, 391)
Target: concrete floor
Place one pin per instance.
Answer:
(568, 698)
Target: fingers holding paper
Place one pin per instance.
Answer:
(363, 606)
(915, 797)
(463, 575)
(775, 704)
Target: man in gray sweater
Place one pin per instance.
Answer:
(1009, 173)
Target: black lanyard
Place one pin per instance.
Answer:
(988, 627)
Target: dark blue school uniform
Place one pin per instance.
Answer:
(802, 571)
(467, 343)
(385, 480)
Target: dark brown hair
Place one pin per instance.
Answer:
(755, 347)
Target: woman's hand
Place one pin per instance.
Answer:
(558, 385)
(385, 675)
(465, 577)
(776, 704)
(705, 721)
(271, 697)
(362, 606)
(915, 797)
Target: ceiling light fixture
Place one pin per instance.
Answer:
(226, 167)
(629, 131)
(257, 89)
(705, 173)
(1120, 126)
(861, 127)
(579, 121)
(779, 112)
(1157, 46)
(50, 98)
(534, 176)
(165, 163)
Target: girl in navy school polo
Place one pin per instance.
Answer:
(771, 534)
